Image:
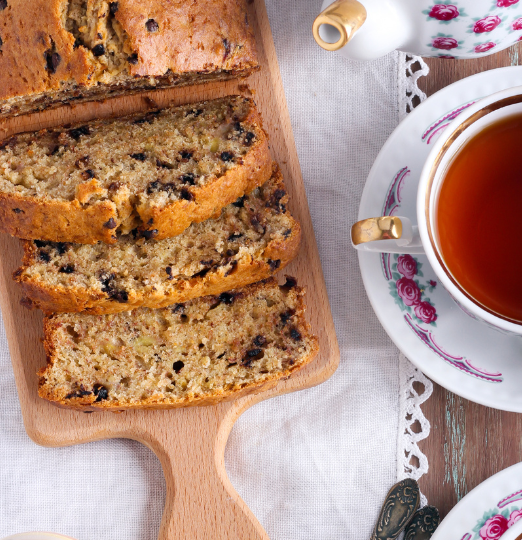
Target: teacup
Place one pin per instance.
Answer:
(396, 234)
(368, 29)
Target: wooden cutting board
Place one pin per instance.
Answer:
(190, 443)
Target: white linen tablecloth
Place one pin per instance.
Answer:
(311, 465)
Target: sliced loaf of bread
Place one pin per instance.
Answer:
(157, 171)
(251, 239)
(201, 352)
(69, 51)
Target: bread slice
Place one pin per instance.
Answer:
(251, 239)
(57, 51)
(201, 352)
(157, 171)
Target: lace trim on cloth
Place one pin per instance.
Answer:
(411, 69)
(415, 388)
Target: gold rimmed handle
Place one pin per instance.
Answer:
(387, 234)
(380, 228)
(346, 16)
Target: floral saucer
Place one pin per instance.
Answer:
(491, 511)
(449, 346)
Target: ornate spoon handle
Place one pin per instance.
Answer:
(423, 524)
(400, 504)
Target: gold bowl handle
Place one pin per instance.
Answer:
(346, 16)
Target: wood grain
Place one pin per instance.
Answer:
(201, 503)
(468, 442)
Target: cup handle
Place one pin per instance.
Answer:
(345, 16)
(387, 234)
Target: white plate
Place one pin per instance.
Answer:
(491, 511)
(450, 347)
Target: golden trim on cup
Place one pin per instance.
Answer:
(347, 16)
(491, 107)
(379, 228)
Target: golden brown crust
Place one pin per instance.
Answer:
(88, 403)
(211, 198)
(57, 221)
(23, 35)
(68, 299)
(42, 218)
(214, 39)
(219, 32)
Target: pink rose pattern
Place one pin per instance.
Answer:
(425, 312)
(488, 24)
(407, 266)
(444, 12)
(494, 528)
(408, 292)
(483, 47)
(497, 524)
(446, 43)
(514, 517)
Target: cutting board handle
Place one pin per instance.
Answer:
(201, 502)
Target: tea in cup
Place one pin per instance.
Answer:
(468, 202)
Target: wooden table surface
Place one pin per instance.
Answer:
(468, 442)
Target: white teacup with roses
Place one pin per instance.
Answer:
(368, 29)
(396, 234)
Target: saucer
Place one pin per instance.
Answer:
(458, 352)
(492, 510)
